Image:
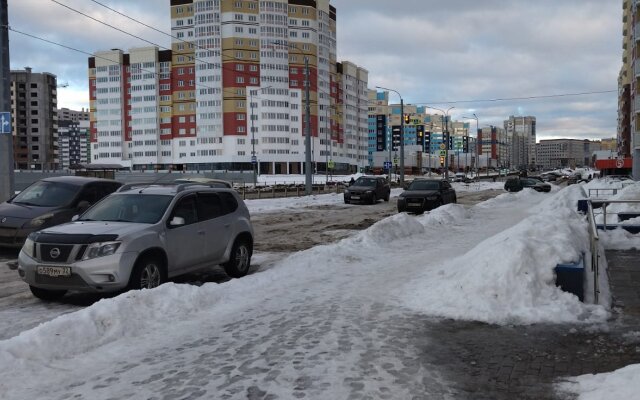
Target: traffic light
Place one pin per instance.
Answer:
(427, 141)
(450, 142)
(420, 136)
(407, 118)
(465, 144)
(442, 161)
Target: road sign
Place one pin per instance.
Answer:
(442, 146)
(387, 165)
(620, 162)
(332, 164)
(254, 160)
(443, 153)
(5, 122)
(395, 160)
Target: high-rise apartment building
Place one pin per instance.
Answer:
(73, 142)
(232, 90)
(423, 133)
(628, 134)
(493, 144)
(521, 138)
(34, 120)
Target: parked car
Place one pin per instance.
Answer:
(368, 189)
(139, 237)
(516, 184)
(49, 202)
(426, 194)
(574, 178)
(208, 181)
(460, 177)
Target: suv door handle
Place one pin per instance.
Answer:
(201, 232)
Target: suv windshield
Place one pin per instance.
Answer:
(47, 194)
(423, 185)
(365, 182)
(141, 208)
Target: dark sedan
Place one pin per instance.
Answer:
(49, 202)
(517, 184)
(426, 194)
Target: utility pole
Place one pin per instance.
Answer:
(6, 134)
(307, 143)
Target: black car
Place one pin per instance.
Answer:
(426, 194)
(49, 202)
(368, 189)
(517, 184)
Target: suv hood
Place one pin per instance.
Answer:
(418, 193)
(96, 228)
(14, 210)
(361, 188)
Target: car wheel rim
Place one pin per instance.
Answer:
(242, 258)
(150, 277)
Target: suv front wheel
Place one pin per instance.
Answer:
(239, 260)
(147, 274)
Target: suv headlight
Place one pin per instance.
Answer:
(28, 247)
(39, 221)
(100, 250)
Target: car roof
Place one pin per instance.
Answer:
(202, 180)
(76, 180)
(171, 188)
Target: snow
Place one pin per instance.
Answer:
(492, 262)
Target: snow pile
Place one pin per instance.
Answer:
(620, 384)
(509, 278)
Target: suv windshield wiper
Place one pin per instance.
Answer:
(24, 203)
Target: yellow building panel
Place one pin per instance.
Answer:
(182, 11)
(231, 105)
(246, 6)
(240, 43)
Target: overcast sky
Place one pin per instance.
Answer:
(441, 53)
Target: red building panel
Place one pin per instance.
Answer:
(231, 124)
(234, 78)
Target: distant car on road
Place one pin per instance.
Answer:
(516, 184)
(48, 202)
(139, 237)
(368, 189)
(426, 194)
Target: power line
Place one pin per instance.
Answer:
(519, 98)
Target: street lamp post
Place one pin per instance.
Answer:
(445, 136)
(401, 133)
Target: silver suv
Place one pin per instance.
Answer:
(138, 237)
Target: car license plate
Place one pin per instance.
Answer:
(355, 197)
(54, 271)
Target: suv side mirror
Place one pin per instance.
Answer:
(83, 205)
(176, 221)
